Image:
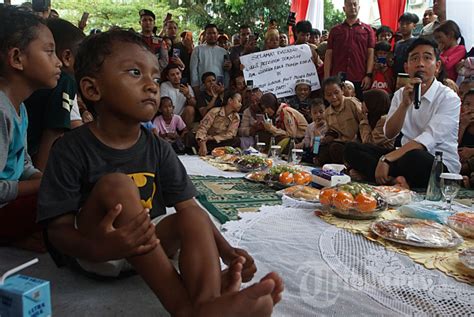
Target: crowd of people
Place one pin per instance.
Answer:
(90, 128)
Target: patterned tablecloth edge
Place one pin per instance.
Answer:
(457, 269)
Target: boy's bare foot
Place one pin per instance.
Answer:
(402, 182)
(232, 276)
(256, 300)
(279, 286)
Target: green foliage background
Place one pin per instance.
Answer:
(190, 14)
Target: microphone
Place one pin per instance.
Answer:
(417, 91)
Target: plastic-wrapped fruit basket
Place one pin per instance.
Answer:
(463, 223)
(352, 201)
(251, 163)
(282, 176)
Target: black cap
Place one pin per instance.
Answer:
(144, 12)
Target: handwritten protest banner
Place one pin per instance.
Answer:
(278, 70)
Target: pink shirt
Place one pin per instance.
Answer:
(176, 124)
(450, 58)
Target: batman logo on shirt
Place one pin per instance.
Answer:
(146, 186)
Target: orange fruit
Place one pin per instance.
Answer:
(365, 203)
(343, 200)
(326, 196)
(300, 179)
(218, 152)
(308, 177)
(286, 178)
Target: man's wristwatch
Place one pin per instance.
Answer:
(383, 159)
(368, 75)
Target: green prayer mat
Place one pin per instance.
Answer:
(224, 197)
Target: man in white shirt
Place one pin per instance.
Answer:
(181, 95)
(431, 128)
(210, 57)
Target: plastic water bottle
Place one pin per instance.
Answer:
(433, 192)
(316, 143)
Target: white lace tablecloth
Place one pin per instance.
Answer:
(329, 271)
(195, 166)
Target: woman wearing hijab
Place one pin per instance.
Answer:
(362, 158)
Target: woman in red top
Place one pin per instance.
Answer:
(447, 35)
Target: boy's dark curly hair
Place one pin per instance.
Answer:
(66, 35)
(94, 50)
(18, 28)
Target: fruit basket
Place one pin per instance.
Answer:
(223, 150)
(462, 223)
(352, 201)
(250, 163)
(284, 175)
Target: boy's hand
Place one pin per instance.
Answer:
(219, 88)
(87, 117)
(249, 268)
(184, 89)
(267, 125)
(135, 238)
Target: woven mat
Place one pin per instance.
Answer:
(445, 260)
(225, 198)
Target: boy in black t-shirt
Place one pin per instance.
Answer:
(105, 180)
(49, 110)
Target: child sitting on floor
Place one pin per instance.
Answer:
(27, 62)
(342, 118)
(316, 129)
(301, 101)
(220, 126)
(107, 184)
(170, 126)
(49, 110)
